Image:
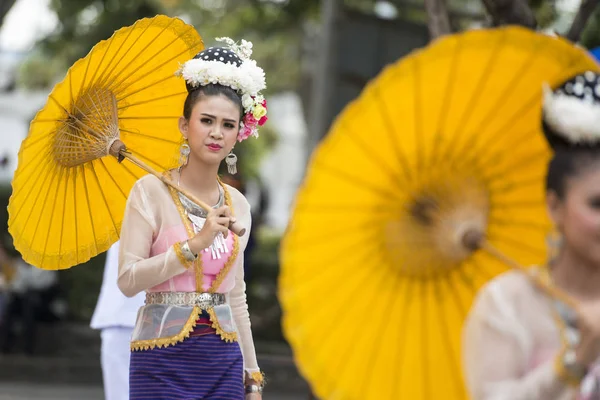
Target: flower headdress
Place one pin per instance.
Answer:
(571, 112)
(231, 66)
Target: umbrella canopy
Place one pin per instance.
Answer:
(377, 274)
(69, 192)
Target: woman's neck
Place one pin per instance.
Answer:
(577, 277)
(200, 180)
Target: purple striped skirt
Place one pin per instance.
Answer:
(203, 366)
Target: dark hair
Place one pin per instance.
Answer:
(569, 160)
(195, 94)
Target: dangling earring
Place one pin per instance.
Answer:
(231, 161)
(184, 153)
(554, 242)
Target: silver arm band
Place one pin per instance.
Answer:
(253, 389)
(187, 252)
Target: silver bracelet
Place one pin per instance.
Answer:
(253, 389)
(187, 252)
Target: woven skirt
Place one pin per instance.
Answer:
(203, 366)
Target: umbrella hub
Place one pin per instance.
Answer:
(444, 223)
(89, 128)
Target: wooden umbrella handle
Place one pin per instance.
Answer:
(475, 240)
(549, 290)
(235, 227)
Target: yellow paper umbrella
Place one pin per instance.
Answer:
(441, 154)
(69, 193)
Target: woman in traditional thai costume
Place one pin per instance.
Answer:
(192, 338)
(518, 343)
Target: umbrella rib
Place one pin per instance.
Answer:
(32, 141)
(351, 350)
(44, 120)
(327, 235)
(121, 89)
(89, 208)
(155, 68)
(124, 107)
(448, 91)
(75, 208)
(511, 205)
(71, 94)
(424, 345)
(467, 112)
(348, 300)
(148, 136)
(112, 178)
(365, 271)
(455, 365)
(52, 212)
(507, 127)
(64, 214)
(126, 167)
(449, 279)
(47, 169)
(358, 182)
(90, 130)
(420, 151)
(479, 269)
(33, 207)
(106, 74)
(343, 251)
(106, 51)
(88, 61)
(466, 281)
(402, 339)
(530, 159)
(106, 120)
(147, 159)
(508, 90)
(384, 326)
(490, 161)
(386, 169)
(116, 84)
(515, 244)
(95, 175)
(151, 117)
(355, 208)
(508, 188)
(25, 167)
(391, 129)
(525, 224)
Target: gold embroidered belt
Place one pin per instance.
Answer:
(186, 299)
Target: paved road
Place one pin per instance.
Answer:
(28, 391)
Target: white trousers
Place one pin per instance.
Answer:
(115, 353)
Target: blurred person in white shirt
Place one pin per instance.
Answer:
(115, 316)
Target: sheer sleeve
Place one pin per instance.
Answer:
(239, 305)
(137, 270)
(495, 356)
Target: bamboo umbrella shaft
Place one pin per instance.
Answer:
(235, 227)
(551, 291)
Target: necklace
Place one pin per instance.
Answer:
(197, 217)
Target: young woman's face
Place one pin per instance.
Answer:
(212, 129)
(577, 216)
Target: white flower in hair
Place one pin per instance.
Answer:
(576, 120)
(240, 73)
(247, 101)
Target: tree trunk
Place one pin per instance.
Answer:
(511, 12)
(438, 19)
(583, 14)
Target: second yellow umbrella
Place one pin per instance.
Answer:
(376, 277)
